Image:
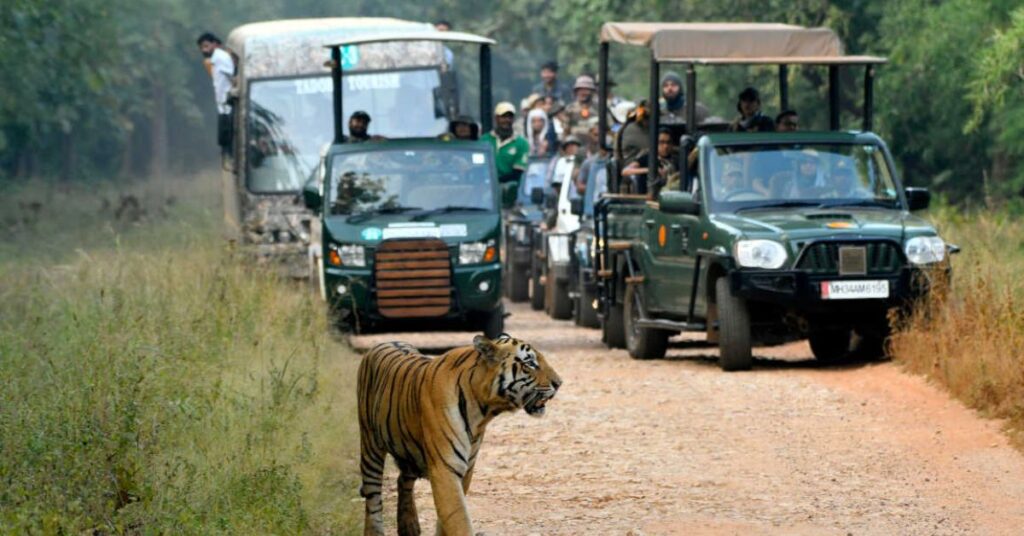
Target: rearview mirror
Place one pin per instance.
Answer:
(674, 202)
(576, 206)
(537, 196)
(311, 196)
(918, 198)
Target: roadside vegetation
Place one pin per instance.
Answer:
(970, 338)
(154, 382)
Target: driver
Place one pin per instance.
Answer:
(807, 182)
(845, 184)
(732, 180)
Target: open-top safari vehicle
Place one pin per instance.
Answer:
(410, 226)
(766, 236)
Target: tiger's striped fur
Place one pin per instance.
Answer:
(429, 414)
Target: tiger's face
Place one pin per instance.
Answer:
(523, 378)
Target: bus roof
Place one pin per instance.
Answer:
(295, 47)
(734, 43)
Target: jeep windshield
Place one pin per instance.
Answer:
(742, 178)
(411, 181)
(290, 119)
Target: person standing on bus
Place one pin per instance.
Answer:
(222, 70)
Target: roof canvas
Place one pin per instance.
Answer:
(733, 43)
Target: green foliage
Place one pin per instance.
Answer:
(160, 384)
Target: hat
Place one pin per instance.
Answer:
(360, 115)
(620, 112)
(732, 167)
(504, 107)
(572, 138)
(529, 101)
(809, 155)
(584, 81)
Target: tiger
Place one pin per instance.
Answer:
(429, 414)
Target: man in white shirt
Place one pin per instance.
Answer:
(221, 67)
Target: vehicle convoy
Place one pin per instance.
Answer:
(582, 273)
(520, 220)
(282, 119)
(767, 236)
(410, 226)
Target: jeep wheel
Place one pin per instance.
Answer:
(613, 332)
(586, 315)
(870, 347)
(733, 329)
(339, 324)
(557, 299)
(830, 345)
(642, 343)
(518, 283)
(494, 324)
(536, 289)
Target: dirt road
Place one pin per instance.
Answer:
(679, 447)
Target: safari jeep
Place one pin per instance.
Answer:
(765, 237)
(410, 228)
(525, 214)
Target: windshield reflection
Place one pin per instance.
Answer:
(747, 177)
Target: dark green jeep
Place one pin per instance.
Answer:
(766, 236)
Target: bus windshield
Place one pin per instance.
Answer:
(290, 119)
(820, 175)
(412, 181)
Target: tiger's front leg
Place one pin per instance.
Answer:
(408, 518)
(450, 503)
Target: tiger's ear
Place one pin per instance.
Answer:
(487, 348)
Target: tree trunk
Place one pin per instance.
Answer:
(158, 132)
(126, 155)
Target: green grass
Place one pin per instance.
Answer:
(153, 382)
(970, 338)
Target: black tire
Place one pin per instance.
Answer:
(536, 289)
(830, 345)
(734, 345)
(557, 299)
(870, 347)
(494, 324)
(642, 343)
(518, 283)
(586, 315)
(612, 328)
(339, 326)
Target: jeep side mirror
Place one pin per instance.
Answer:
(537, 196)
(311, 196)
(918, 198)
(576, 205)
(675, 202)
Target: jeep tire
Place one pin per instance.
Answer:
(830, 345)
(494, 323)
(557, 298)
(536, 289)
(734, 344)
(642, 343)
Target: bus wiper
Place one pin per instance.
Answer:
(448, 208)
(784, 204)
(363, 216)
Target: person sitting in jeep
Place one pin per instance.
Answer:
(751, 119)
(806, 182)
(462, 127)
(668, 167)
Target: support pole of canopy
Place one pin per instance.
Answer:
(833, 97)
(602, 97)
(653, 116)
(869, 96)
(339, 134)
(486, 104)
(691, 99)
(783, 87)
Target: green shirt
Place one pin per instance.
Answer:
(509, 154)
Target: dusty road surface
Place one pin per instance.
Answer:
(679, 447)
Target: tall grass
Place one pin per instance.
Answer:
(151, 381)
(971, 338)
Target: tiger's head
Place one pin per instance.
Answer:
(522, 377)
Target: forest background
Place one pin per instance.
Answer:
(101, 90)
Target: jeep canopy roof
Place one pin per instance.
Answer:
(727, 42)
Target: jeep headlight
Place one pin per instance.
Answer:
(925, 249)
(477, 252)
(766, 254)
(347, 255)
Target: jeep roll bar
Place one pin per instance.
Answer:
(695, 44)
(441, 37)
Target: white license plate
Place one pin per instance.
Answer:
(854, 290)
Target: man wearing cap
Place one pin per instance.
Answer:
(462, 127)
(358, 124)
(582, 113)
(510, 151)
(751, 119)
(673, 102)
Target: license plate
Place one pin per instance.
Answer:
(854, 290)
